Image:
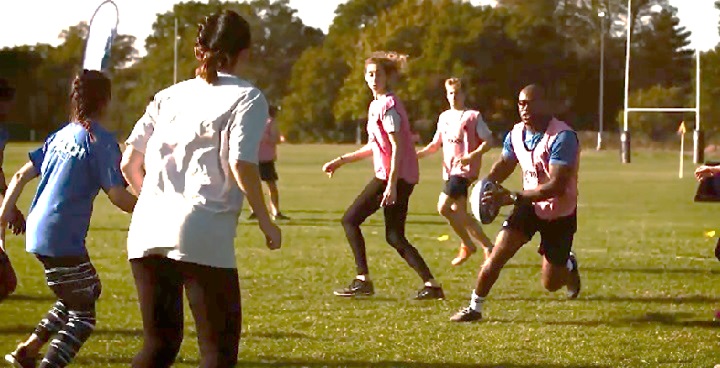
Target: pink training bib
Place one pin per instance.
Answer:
(459, 136)
(535, 165)
(380, 142)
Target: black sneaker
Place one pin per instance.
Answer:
(280, 216)
(573, 284)
(466, 315)
(357, 288)
(20, 359)
(430, 293)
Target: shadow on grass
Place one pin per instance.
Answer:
(651, 318)
(33, 298)
(320, 222)
(674, 319)
(686, 299)
(138, 332)
(27, 329)
(302, 363)
(647, 270)
(280, 362)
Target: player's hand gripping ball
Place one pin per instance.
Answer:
(487, 211)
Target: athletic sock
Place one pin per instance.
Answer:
(476, 302)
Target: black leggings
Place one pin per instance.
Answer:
(214, 296)
(367, 203)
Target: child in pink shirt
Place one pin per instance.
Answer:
(464, 138)
(396, 173)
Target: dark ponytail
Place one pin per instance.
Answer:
(220, 38)
(90, 94)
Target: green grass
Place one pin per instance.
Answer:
(650, 281)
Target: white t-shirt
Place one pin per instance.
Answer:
(189, 203)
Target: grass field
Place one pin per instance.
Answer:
(650, 281)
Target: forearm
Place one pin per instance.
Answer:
(428, 150)
(542, 192)
(135, 178)
(395, 160)
(501, 170)
(362, 153)
(132, 169)
(17, 184)
(482, 148)
(248, 178)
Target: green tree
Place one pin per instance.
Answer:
(279, 38)
(317, 77)
(662, 55)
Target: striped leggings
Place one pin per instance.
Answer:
(72, 319)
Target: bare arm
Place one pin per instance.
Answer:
(122, 199)
(357, 155)
(396, 142)
(17, 184)
(247, 176)
(432, 147)
(482, 148)
(132, 168)
(502, 169)
(334, 164)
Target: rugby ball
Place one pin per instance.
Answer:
(483, 212)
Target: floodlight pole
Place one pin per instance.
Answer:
(625, 136)
(601, 101)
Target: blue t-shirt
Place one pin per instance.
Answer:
(562, 152)
(72, 169)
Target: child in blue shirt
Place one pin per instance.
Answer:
(73, 165)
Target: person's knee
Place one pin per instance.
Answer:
(349, 220)
(159, 350)
(395, 239)
(445, 207)
(221, 352)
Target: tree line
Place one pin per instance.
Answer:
(317, 78)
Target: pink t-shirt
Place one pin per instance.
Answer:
(379, 141)
(535, 165)
(460, 132)
(269, 142)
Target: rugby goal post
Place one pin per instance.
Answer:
(698, 137)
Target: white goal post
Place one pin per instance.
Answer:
(698, 141)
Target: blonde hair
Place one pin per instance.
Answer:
(391, 62)
(453, 82)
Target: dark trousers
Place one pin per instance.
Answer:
(214, 296)
(367, 203)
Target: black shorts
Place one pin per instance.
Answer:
(267, 171)
(456, 187)
(556, 236)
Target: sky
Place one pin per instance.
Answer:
(137, 17)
